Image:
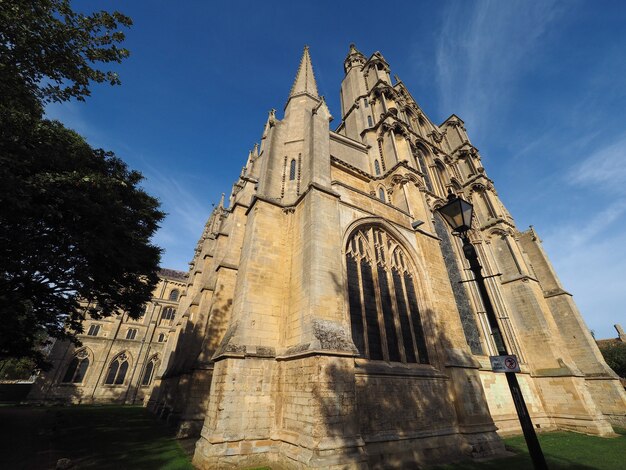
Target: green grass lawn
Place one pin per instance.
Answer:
(563, 450)
(98, 437)
(123, 437)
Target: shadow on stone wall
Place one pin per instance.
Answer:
(405, 415)
(182, 392)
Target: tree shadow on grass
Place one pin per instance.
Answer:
(92, 437)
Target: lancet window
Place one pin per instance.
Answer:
(377, 167)
(148, 372)
(292, 170)
(117, 370)
(93, 330)
(384, 314)
(440, 175)
(168, 313)
(77, 368)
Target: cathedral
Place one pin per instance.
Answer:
(328, 318)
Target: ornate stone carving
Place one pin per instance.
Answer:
(332, 335)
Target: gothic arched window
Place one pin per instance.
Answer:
(381, 194)
(174, 295)
(440, 175)
(292, 170)
(377, 167)
(117, 370)
(149, 372)
(78, 368)
(384, 315)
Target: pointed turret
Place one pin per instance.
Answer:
(354, 59)
(304, 84)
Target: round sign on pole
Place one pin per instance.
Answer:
(510, 363)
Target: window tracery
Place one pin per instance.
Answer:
(77, 368)
(117, 370)
(384, 313)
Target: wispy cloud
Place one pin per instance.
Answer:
(71, 114)
(185, 212)
(185, 217)
(605, 169)
(590, 228)
(594, 273)
(483, 48)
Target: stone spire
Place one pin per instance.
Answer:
(304, 83)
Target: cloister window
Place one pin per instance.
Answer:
(292, 170)
(384, 314)
(377, 167)
(117, 370)
(174, 295)
(93, 330)
(148, 372)
(77, 368)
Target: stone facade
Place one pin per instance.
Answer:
(119, 358)
(325, 322)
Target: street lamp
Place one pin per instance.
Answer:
(458, 214)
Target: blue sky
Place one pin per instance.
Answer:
(541, 87)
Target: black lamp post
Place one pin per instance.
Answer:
(458, 214)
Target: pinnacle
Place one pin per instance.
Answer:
(305, 79)
(353, 49)
(354, 58)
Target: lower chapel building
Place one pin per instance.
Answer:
(325, 321)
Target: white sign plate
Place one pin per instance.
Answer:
(504, 363)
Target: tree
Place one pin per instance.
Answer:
(75, 226)
(50, 50)
(615, 357)
(17, 369)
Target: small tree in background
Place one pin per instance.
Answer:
(615, 357)
(75, 226)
